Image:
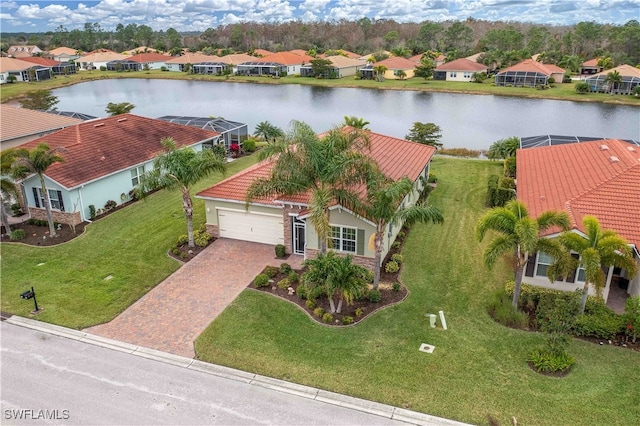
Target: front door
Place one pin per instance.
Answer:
(298, 236)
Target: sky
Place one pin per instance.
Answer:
(198, 15)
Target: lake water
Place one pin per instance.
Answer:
(470, 121)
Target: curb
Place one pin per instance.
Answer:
(371, 407)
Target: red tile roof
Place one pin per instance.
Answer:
(530, 65)
(16, 122)
(144, 58)
(624, 70)
(395, 157)
(590, 63)
(41, 61)
(97, 148)
(397, 63)
(262, 52)
(462, 64)
(600, 178)
(285, 58)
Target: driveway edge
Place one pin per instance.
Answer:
(383, 410)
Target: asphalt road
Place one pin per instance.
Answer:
(46, 379)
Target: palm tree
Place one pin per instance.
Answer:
(38, 160)
(383, 206)
(570, 62)
(606, 62)
(355, 122)
(181, 169)
(119, 108)
(323, 167)
(379, 71)
(268, 131)
(401, 74)
(598, 249)
(519, 234)
(613, 78)
(7, 186)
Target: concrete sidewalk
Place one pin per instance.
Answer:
(383, 410)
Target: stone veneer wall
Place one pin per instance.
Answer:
(58, 216)
(286, 223)
(367, 262)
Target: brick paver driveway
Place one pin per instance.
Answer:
(176, 311)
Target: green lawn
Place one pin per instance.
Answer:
(478, 367)
(564, 91)
(130, 245)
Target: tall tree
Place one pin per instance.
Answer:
(614, 79)
(40, 100)
(425, 133)
(503, 148)
(37, 161)
(119, 108)
(7, 186)
(519, 236)
(598, 248)
(379, 71)
(324, 168)
(268, 131)
(181, 168)
(356, 122)
(320, 66)
(425, 68)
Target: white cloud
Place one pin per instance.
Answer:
(313, 5)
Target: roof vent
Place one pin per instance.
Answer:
(604, 147)
(120, 120)
(98, 125)
(630, 148)
(614, 159)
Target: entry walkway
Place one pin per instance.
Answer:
(176, 311)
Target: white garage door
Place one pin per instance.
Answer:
(248, 226)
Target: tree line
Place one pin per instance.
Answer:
(502, 42)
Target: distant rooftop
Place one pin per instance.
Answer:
(553, 140)
(217, 124)
(73, 114)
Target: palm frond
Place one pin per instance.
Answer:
(552, 218)
(497, 247)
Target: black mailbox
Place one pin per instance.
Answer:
(27, 295)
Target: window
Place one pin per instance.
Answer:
(581, 275)
(467, 75)
(344, 239)
(544, 260)
(55, 197)
(136, 172)
(453, 74)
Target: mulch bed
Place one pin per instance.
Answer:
(185, 253)
(36, 235)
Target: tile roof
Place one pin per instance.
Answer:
(192, 58)
(342, 61)
(624, 70)
(139, 49)
(62, 50)
(529, 65)
(236, 58)
(41, 61)
(13, 64)
(397, 63)
(144, 58)
(591, 63)
(16, 122)
(262, 52)
(97, 148)
(600, 178)
(462, 64)
(284, 58)
(101, 57)
(395, 157)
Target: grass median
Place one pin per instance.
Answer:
(478, 369)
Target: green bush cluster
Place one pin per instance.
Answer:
(510, 167)
(283, 284)
(432, 178)
(499, 190)
(201, 238)
(261, 280)
(544, 361)
(17, 234)
(280, 250)
(301, 291)
(392, 267)
(327, 317)
(401, 235)
(182, 239)
(318, 312)
(501, 310)
(396, 245)
(398, 258)
(359, 312)
(219, 150)
(311, 304)
(368, 275)
(249, 145)
(396, 287)
(92, 212)
(271, 271)
(346, 320)
(41, 222)
(375, 296)
(293, 277)
(632, 318)
(285, 268)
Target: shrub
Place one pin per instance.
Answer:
(347, 320)
(318, 312)
(234, 148)
(183, 255)
(636, 91)
(432, 178)
(283, 284)
(327, 317)
(271, 271)
(109, 205)
(103, 68)
(510, 167)
(219, 150)
(501, 310)
(582, 87)
(249, 145)
(402, 235)
(301, 291)
(285, 268)
(492, 189)
(201, 238)
(398, 258)
(396, 287)
(293, 277)
(359, 312)
(375, 296)
(280, 250)
(16, 209)
(261, 280)
(396, 245)
(459, 152)
(182, 240)
(92, 212)
(601, 326)
(632, 317)
(544, 361)
(163, 68)
(311, 304)
(368, 275)
(557, 313)
(551, 80)
(392, 267)
(176, 251)
(17, 234)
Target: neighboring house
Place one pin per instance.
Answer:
(22, 70)
(458, 70)
(342, 67)
(97, 59)
(599, 178)
(298, 52)
(56, 67)
(590, 67)
(64, 54)
(24, 51)
(436, 62)
(103, 161)
(139, 49)
(630, 79)
(393, 65)
(283, 220)
(234, 59)
(151, 61)
(177, 63)
(21, 125)
(274, 65)
(230, 131)
(529, 73)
